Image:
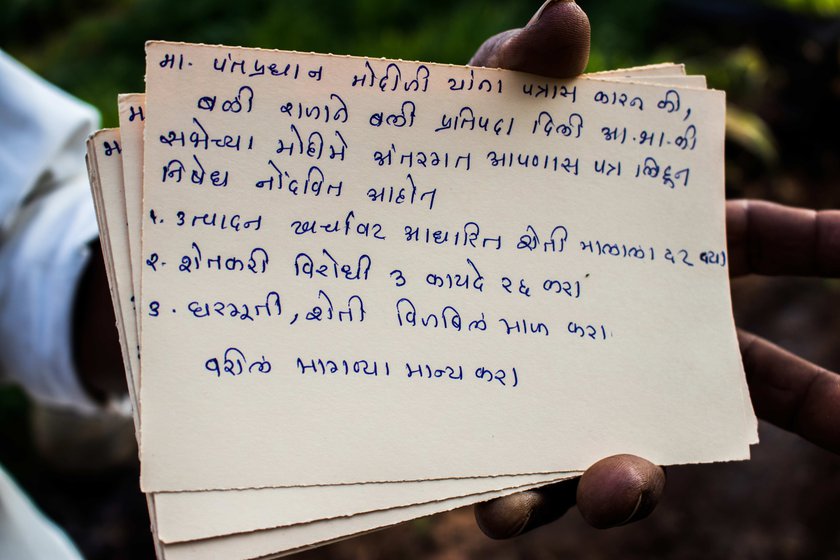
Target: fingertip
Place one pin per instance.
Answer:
(554, 43)
(511, 516)
(619, 490)
(506, 517)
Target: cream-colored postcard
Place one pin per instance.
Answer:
(421, 258)
(190, 516)
(247, 541)
(104, 161)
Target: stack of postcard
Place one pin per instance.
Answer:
(353, 292)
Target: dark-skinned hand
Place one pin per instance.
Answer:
(96, 343)
(763, 238)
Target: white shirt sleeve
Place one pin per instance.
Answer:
(25, 534)
(47, 221)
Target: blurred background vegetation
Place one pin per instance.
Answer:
(778, 61)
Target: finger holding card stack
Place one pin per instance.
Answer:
(353, 292)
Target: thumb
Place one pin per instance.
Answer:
(554, 43)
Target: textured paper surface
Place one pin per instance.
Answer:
(279, 542)
(258, 543)
(671, 312)
(104, 161)
(190, 516)
(132, 109)
(108, 202)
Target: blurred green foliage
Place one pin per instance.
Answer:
(95, 49)
(763, 53)
(823, 7)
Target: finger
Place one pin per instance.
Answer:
(619, 490)
(511, 516)
(554, 43)
(768, 238)
(792, 393)
(612, 492)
